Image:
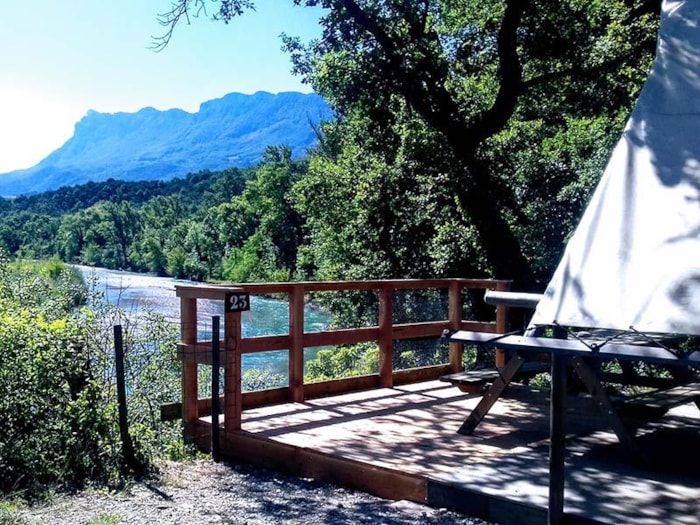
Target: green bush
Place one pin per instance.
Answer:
(58, 415)
(343, 361)
(55, 425)
(262, 379)
(152, 372)
(9, 514)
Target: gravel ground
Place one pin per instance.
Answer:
(206, 492)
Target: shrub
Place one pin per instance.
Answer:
(58, 415)
(55, 425)
(343, 361)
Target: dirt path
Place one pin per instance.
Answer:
(205, 492)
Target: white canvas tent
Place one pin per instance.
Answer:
(634, 259)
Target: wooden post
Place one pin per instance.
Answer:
(386, 340)
(233, 397)
(215, 381)
(127, 446)
(557, 440)
(188, 331)
(296, 349)
(501, 322)
(455, 317)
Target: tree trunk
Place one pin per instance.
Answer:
(478, 197)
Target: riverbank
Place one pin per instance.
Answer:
(136, 292)
(202, 491)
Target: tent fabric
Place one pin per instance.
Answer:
(634, 259)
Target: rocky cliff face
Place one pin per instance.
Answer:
(158, 145)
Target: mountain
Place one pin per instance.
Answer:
(232, 131)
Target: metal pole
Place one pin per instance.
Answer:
(127, 445)
(215, 380)
(557, 440)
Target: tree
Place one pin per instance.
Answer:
(29, 234)
(159, 217)
(264, 229)
(468, 69)
(110, 234)
(71, 236)
(377, 208)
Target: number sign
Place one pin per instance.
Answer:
(237, 302)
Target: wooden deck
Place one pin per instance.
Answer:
(402, 443)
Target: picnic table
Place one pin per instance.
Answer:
(584, 357)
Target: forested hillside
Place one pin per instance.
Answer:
(185, 227)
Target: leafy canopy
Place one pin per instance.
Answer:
(471, 71)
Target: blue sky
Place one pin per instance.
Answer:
(59, 58)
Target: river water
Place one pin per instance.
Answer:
(134, 292)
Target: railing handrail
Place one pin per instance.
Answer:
(323, 286)
(194, 352)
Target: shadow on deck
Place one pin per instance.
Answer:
(401, 443)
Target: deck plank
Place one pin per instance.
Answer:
(411, 431)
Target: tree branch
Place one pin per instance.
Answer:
(370, 25)
(169, 19)
(180, 9)
(584, 73)
(495, 118)
(423, 86)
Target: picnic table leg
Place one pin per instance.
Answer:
(592, 383)
(629, 374)
(557, 440)
(491, 396)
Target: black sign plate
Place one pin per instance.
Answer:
(237, 302)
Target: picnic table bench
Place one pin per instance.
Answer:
(583, 360)
(651, 405)
(474, 381)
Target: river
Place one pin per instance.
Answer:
(134, 292)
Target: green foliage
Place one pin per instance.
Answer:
(48, 283)
(124, 225)
(57, 383)
(554, 171)
(205, 186)
(273, 225)
(152, 372)
(419, 352)
(377, 213)
(343, 361)
(363, 359)
(430, 92)
(28, 234)
(55, 425)
(9, 514)
(262, 379)
(106, 519)
(176, 261)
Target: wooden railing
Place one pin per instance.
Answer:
(193, 352)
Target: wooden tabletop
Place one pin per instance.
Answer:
(579, 348)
